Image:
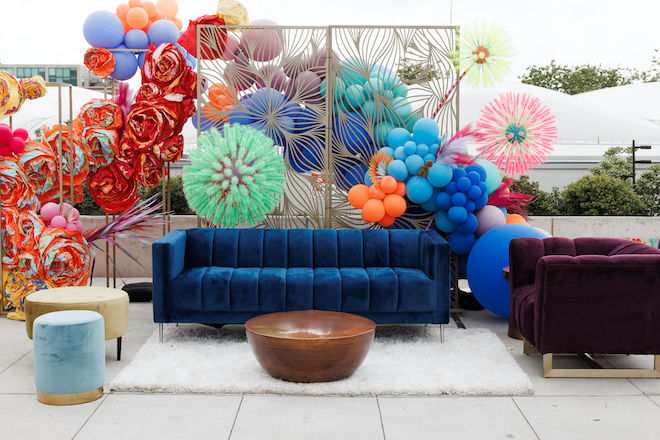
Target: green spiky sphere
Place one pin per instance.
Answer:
(235, 177)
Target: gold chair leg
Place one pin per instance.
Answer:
(549, 371)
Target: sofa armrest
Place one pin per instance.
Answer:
(597, 304)
(168, 256)
(524, 253)
(433, 254)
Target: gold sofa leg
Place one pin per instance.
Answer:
(529, 348)
(548, 371)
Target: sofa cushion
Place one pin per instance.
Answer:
(354, 289)
(272, 289)
(299, 288)
(245, 289)
(349, 245)
(327, 288)
(325, 248)
(383, 289)
(632, 247)
(199, 247)
(376, 247)
(417, 293)
(250, 248)
(225, 248)
(404, 248)
(186, 289)
(275, 248)
(300, 248)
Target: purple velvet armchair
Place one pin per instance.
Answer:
(587, 295)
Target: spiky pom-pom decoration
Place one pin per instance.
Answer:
(235, 177)
(518, 132)
(485, 54)
(378, 166)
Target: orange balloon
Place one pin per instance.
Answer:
(150, 7)
(388, 184)
(134, 3)
(169, 7)
(122, 9)
(373, 211)
(215, 113)
(177, 21)
(375, 192)
(400, 189)
(515, 219)
(137, 18)
(221, 94)
(386, 221)
(358, 196)
(395, 205)
(160, 15)
(126, 26)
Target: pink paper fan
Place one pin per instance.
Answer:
(517, 131)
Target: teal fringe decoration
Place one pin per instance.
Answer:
(235, 177)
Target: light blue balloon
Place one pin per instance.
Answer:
(422, 150)
(429, 158)
(381, 130)
(353, 71)
(140, 59)
(430, 205)
(162, 31)
(398, 136)
(388, 77)
(103, 29)
(340, 88)
(401, 107)
(367, 179)
(373, 87)
(192, 62)
(354, 95)
(443, 223)
(125, 64)
(398, 169)
(493, 175)
(439, 174)
(410, 147)
(418, 189)
(136, 39)
(425, 131)
(400, 90)
(433, 148)
(387, 150)
(373, 111)
(399, 153)
(414, 164)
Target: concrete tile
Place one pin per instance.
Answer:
(15, 342)
(655, 399)
(295, 417)
(161, 416)
(455, 418)
(586, 418)
(23, 417)
(647, 386)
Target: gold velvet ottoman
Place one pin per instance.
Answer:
(112, 304)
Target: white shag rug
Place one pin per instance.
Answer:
(407, 361)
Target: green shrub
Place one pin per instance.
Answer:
(647, 188)
(601, 195)
(543, 203)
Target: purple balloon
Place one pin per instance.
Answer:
(262, 44)
(230, 48)
(489, 217)
(273, 77)
(308, 84)
(239, 75)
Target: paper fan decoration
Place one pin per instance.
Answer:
(485, 54)
(235, 177)
(378, 166)
(518, 132)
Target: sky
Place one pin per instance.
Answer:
(608, 32)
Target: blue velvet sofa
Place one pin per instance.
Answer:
(227, 276)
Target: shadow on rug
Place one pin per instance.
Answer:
(403, 360)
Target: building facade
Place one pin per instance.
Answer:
(74, 74)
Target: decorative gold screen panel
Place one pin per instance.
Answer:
(327, 97)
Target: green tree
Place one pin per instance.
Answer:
(647, 188)
(543, 203)
(616, 162)
(601, 195)
(577, 79)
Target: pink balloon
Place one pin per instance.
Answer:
(489, 217)
(5, 134)
(239, 75)
(308, 84)
(262, 44)
(17, 145)
(73, 216)
(71, 227)
(49, 210)
(21, 133)
(78, 224)
(230, 48)
(271, 76)
(58, 222)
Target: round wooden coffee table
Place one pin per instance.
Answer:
(310, 345)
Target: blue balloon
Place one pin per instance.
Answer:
(163, 31)
(205, 123)
(241, 115)
(443, 200)
(474, 177)
(483, 201)
(398, 136)
(380, 133)
(457, 173)
(451, 187)
(349, 177)
(400, 153)
(433, 148)
(470, 206)
(418, 189)
(430, 205)
(458, 199)
(305, 118)
(387, 150)
(136, 39)
(470, 224)
(140, 59)
(461, 243)
(439, 174)
(474, 192)
(410, 147)
(484, 268)
(414, 164)
(482, 187)
(425, 131)
(457, 214)
(397, 169)
(422, 149)
(479, 169)
(103, 29)
(125, 64)
(443, 223)
(493, 175)
(351, 130)
(463, 184)
(306, 156)
(429, 158)
(503, 211)
(354, 96)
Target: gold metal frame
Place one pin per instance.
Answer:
(70, 399)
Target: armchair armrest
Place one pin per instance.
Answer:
(597, 304)
(168, 256)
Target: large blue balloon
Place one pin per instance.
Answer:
(346, 178)
(419, 190)
(103, 29)
(352, 132)
(439, 174)
(425, 131)
(305, 155)
(126, 64)
(136, 39)
(163, 31)
(204, 122)
(489, 255)
(398, 137)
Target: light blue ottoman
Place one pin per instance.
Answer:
(69, 357)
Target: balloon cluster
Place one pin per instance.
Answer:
(12, 141)
(136, 25)
(64, 216)
(381, 203)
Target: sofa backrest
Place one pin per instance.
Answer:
(302, 248)
(594, 246)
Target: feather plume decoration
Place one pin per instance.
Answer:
(136, 223)
(514, 201)
(518, 132)
(124, 98)
(454, 151)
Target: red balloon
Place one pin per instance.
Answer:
(21, 133)
(17, 145)
(5, 134)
